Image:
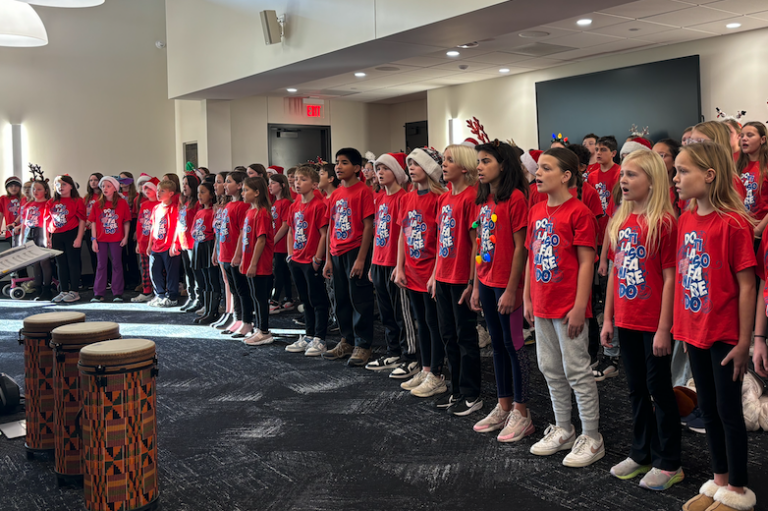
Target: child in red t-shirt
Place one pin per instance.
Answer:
(91, 197)
(188, 207)
(34, 220)
(257, 246)
(10, 205)
(416, 263)
(641, 240)
(163, 247)
(148, 187)
(110, 226)
(66, 229)
(714, 293)
(279, 188)
(350, 232)
(752, 167)
(561, 241)
(394, 307)
(230, 232)
(452, 280)
(203, 252)
(500, 230)
(306, 243)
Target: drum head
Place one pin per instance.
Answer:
(85, 333)
(117, 353)
(44, 323)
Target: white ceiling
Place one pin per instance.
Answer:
(629, 27)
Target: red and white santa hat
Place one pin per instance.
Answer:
(635, 144)
(274, 169)
(143, 178)
(530, 160)
(396, 163)
(470, 142)
(151, 183)
(13, 180)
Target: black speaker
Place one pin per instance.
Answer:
(9, 394)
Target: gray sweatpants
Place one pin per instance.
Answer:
(565, 364)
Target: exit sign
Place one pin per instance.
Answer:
(314, 110)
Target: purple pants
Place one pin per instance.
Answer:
(114, 251)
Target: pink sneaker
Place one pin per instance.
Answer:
(517, 427)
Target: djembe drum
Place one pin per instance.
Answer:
(119, 425)
(66, 342)
(38, 377)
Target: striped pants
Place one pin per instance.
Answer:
(395, 311)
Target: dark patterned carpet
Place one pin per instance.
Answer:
(244, 428)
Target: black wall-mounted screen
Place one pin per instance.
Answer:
(665, 96)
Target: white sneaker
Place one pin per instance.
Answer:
(155, 302)
(259, 338)
(72, 296)
(517, 427)
(415, 381)
(555, 439)
(585, 451)
(59, 297)
(141, 299)
(431, 386)
(315, 348)
(493, 421)
(483, 337)
(299, 346)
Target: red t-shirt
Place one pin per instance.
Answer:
(144, 224)
(386, 228)
(34, 214)
(164, 220)
(739, 187)
(638, 279)
(202, 225)
(294, 195)
(711, 250)
(762, 264)
(496, 225)
(184, 226)
(65, 213)
(418, 223)
(306, 220)
(11, 208)
(348, 207)
(89, 205)
(456, 214)
(552, 238)
(281, 210)
(109, 220)
(588, 196)
(230, 225)
(257, 223)
(604, 183)
(756, 200)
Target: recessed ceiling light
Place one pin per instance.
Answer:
(292, 90)
(584, 22)
(452, 53)
(473, 44)
(533, 34)
(360, 75)
(733, 25)
(504, 70)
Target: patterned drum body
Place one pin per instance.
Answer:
(38, 376)
(119, 425)
(66, 342)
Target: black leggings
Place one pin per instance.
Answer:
(261, 289)
(282, 274)
(431, 348)
(241, 293)
(458, 329)
(68, 263)
(43, 270)
(211, 279)
(189, 274)
(720, 403)
(130, 259)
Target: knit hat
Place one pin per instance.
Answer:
(530, 160)
(13, 180)
(635, 144)
(429, 160)
(152, 183)
(396, 163)
(471, 142)
(274, 169)
(110, 179)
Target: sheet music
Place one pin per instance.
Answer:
(23, 256)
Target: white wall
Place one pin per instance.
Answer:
(733, 77)
(94, 99)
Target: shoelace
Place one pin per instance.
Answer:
(581, 445)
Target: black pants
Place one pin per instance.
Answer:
(282, 274)
(720, 403)
(69, 262)
(354, 299)
(261, 289)
(242, 302)
(598, 301)
(431, 346)
(43, 269)
(311, 287)
(395, 312)
(211, 279)
(131, 260)
(164, 271)
(458, 329)
(655, 434)
(189, 274)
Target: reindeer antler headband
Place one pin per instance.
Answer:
(37, 173)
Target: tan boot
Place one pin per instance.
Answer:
(727, 500)
(359, 358)
(342, 350)
(704, 499)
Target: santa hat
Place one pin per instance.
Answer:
(143, 178)
(530, 160)
(274, 169)
(396, 163)
(151, 183)
(470, 142)
(635, 144)
(428, 159)
(13, 180)
(111, 179)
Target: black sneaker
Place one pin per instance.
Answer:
(333, 328)
(118, 299)
(446, 401)
(405, 370)
(465, 406)
(97, 299)
(607, 368)
(383, 363)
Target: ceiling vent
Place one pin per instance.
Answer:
(335, 93)
(539, 49)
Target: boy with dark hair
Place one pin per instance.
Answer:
(590, 143)
(291, 175)
(348, 259)
(164, 247)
